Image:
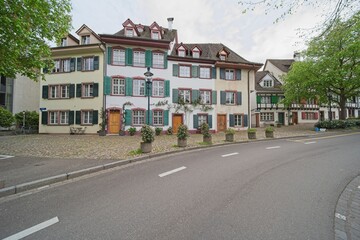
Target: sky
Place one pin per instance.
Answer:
(252, 35)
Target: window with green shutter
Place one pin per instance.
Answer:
(213, 72)
(274, 99)
(95, 119)
(245, 120)
(195, 121)
(78, 90)
(175, 95)
(96, 90)
(71, 117)
(72, 64)
(109, 55)
(231, 120)
(107, 85)
(210, 121)
(194, 71)
(258, 99)
(222, 97)
(167, 88)
(79, 64)
(44, 118)
(72, 91)
(96, 63)
(238, 98)
(175, 70)
(45, 92)
(128, 117)
(129, 57)
(194, 95)
(222, 73)
(148, 58)
(214, 97)
(78, 117)
(128, 87)
(165, 60)
(166, 117)
(238, 74)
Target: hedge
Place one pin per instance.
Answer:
(338, 124)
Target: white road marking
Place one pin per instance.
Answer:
(342, 217)
(309, 142)
(5, 156)
(230, 154)
(172, 171)
(275, 147)
(359, 187)
(43, 187)
(33, 229)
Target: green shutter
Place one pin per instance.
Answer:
(129, 57)
(166, 117)
(128, 118)
(95, 117)
(96, 90)
(194, 71)
(238, 98)
(222, 73)
(71, 117)
(167, 88)
(175, 70)
(165, 61)
(78, 90)
(245, 120)
(44, 118)
(107, 85)
(72, 64)
(258, 99)
(109, 55)
(72, 90)
(195, 121)
(194, 95)
(96, 63)
(274, 99)
(238, 74)
(148, 58)
(231, 120)
(150, 117)
(45, 92)
(78, 117)
(78, 63)
(214, 97)
(213, 72)
(210, 121)
(222, 97)
(128, 87)
(175, 95)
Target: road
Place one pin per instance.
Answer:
(280, 189)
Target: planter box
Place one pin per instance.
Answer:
(252, 135)
(269, 134)
(182, 142)
(207, 139)
(229, 137)
(145, 147)
(102, 133)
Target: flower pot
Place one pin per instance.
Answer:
(182, 142)
(269, 134)
(229, 137)
(252, 135)
(122, 133)
(145, 147)
(207, 139)
(102, 133)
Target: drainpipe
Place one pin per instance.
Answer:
(249, 101)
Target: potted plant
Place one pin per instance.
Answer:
(102, 131)
(251, 133)
(229, 135)
(204, 127)
(158, 131)
(169, 131)
(182, 135)
(132, 131)
(269, 132)
(147, 136)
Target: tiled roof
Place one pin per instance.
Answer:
(146, 34)
(259, 76)
(282, 64)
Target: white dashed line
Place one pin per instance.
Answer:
(342, 217)
(275, 147)
(33, 229)
(172, 171)
(309, 142)
(230, 154)
(5, 156)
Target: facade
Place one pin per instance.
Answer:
(72, 95)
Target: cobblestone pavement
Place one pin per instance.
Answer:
(117, 147)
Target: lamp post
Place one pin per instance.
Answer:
(330, 113)
(148, 76)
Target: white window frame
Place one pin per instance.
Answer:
(85, 39)
(267, 117)
(65, 65)
(139, 59)
(54, 117)
(202, 118)
(158, 60)
(138, 117)
(196, 54)
(118, 57)
(268, 83)
(129, 32)
(54, 91)
(118, 86)
(238, 120)
(155, 35)
(185, 95)
(222, 57)
(87, 90)
(88, 64)
(181, 53)
(158, 88)
(185, 71)
(229, 74)
(230, 98)
(158, 117)
(205, 96)
(139, 87)
(265, 99)
(64, 117)
(86, 117)
(64, 91)
(205, 72)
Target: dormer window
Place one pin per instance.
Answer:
(181, 53)
(268, 83)
(196, 54)
(129, 32)
(222, 57)
(63, 42)
(155, 35)
(85, 39)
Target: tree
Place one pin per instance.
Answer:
(25, 30)
(6, 118)
(31, 119)
(331, 66)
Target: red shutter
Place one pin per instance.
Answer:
(303, 116)
(316, 116)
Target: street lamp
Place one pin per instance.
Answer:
(330, 113)
(148, 76)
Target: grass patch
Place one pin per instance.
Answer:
(175, 146)
(135, 152)
(204, 143)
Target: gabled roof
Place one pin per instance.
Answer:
(260, 76)
(282, 64)
(90, 30)
(73, 38)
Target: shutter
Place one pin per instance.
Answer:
(195, 121)
(107, 85)
(109, 55)
(194, 71)
(166, 117)
(175, 95)
(96, 63)
(238, 74)
(78, 63)
(245, 120)
(213, 72)
(274, 99)
(210, 121)
(194, 95)
(72, 64)
(45, 92)
(222, 73)
(167, 88)
(238, 98)
(129, 57)
(214, 97)
(78, 117)
(95, 117)
(150, 118)
(96, 90)
(165, 61)
(175, 70)
(72, 90)
(231, 120)
(316, 116)
(128, 117)
(148, 58)
(44, 118)
(222, 97)
(258, 99)
(78, 90)
(128, 87)
(71, 117)
(303, 116)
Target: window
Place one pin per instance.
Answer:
(64, 91)
(54, 90)
(229, 74)
(85, 39)
(268, 83)
(155, 35)
(237, 120)
(181, 53)
(54, 117)
(139, 87)
(158, 88)
(139, 58)
(222, 57)
(63, 42)
(309, 116)
(265, 99)
(118, 86)
(204, 72)
(59, 117)
(88, 90)
(158, 117)
(202, 119)
(230, 97)
(118, 57)
(61, 65)
(205, 97)
(267, 116)
(64, 117)
(184, 95)
(196, 54)
(138, 117)
(59, 91)
(87, 117)
(88, 64)
(158, 60)
(184, 71)
(129, 32)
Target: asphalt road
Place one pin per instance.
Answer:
(280, 189)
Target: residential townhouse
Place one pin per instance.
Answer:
(72, 95)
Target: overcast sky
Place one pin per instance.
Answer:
(253, 35)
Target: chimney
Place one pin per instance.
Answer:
(297, 57)
(170, 22)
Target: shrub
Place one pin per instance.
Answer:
(158, 131)
(182, 133)
(230, 131)
(147, 134)
(269, 129)
(204, 127)
(169, 131)
(132, 131)
(251, 130)
(338, 124)
(31, 119)
(6, 118)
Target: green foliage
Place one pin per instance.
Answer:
(169, 131)
(182, 133)
(269, 129)
(251, 130)
(31, 119)
(204, 128)
(6, 118)
(205, 143)
(103, 117)
(158, 131)
(147, 134)
(26, 27)
(338, 124)
(132, 131)
(230, 131)
(135, 152)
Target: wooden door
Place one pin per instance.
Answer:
(295, 118)
(281, 118)
(221, 122)
(114, 122)
(177, 120)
